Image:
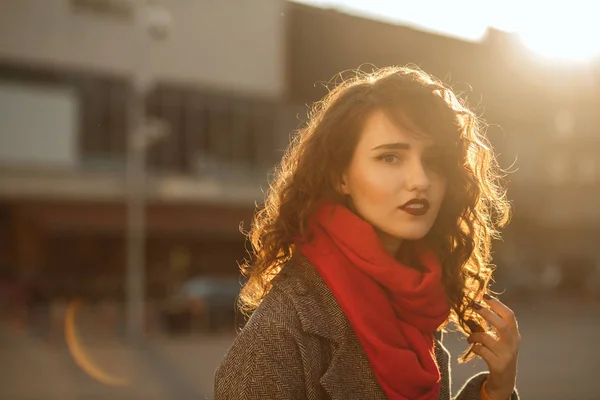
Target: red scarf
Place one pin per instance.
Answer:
(393, 309)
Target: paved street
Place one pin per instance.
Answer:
(560, 359)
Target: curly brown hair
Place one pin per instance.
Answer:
(473, 209)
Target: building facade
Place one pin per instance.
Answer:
(66, 77)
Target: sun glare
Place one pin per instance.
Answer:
(562, 38)
(555, 30)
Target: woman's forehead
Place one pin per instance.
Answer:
(380, 129)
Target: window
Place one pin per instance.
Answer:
(38, 124)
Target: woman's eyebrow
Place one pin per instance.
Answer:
(392, 146)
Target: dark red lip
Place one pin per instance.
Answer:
(422, 210)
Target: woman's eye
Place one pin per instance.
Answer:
(389, 158)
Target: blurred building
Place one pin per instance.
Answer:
(542, 117)
(232, 80)
(65, 78)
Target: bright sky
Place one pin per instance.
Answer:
(556, 29)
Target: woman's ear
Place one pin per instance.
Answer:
(340, 185)
(344, 189)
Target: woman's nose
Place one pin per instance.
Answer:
(417, 179)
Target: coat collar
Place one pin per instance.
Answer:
(348, 374)
(319, 312)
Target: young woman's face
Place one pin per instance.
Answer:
(394, 181)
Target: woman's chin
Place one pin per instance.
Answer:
(412, 233)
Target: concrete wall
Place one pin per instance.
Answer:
(234, 45)
(38, 126)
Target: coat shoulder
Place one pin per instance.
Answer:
(276, 312)
(269, 343)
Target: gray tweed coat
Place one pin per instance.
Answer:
(299, 345)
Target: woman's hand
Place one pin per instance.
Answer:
(501, 352)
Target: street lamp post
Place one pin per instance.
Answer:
(150, 24)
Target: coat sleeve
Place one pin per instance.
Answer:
(472, 388)
(264, 361)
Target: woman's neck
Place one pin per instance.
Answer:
(390, 243)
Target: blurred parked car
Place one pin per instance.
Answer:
(203, 304)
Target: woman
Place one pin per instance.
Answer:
(376, 232)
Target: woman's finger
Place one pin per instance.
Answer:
(501, 309)
(488, 356)
(474, 326)
(494, 319)
(487, 340)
